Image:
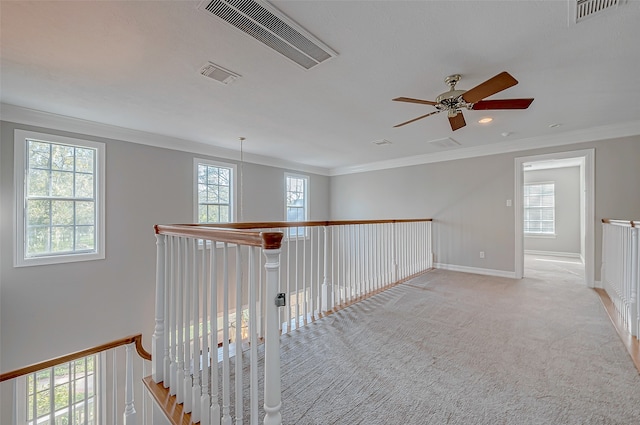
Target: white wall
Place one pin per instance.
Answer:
(567, 211)
(46, 311)
(467, 200)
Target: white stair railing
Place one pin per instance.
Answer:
(620, 269)
(218, 298)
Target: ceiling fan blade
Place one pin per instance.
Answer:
(500, 82)
(416, 119)
(457, 121)
(410, 100)
(502, 104)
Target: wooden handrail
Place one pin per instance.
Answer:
(137, 339)
(624, 223)
(242, 234)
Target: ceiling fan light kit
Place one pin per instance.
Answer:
(454, 101)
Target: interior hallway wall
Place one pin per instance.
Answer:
(467, 200)
(47, 311)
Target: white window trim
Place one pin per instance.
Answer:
(19, 181)
(306, 194)
(538, 234)
(232, 183)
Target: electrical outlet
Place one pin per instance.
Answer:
(481, 254)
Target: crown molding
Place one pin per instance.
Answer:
(631, 128)
(27, 116)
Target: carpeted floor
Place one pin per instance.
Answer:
(456, 348)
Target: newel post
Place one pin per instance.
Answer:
(326, 282)
(272, 380)
(157, 341)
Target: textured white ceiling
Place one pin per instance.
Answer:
(134, 64)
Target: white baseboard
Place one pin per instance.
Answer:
(553, 253)
(598, 284)
(475, 270)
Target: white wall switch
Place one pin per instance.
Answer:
(508, 202)
(481, 254)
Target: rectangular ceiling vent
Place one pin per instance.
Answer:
(447, 143)
(218, 73)
(271, 27)
(588, 8)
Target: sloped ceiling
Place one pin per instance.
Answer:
(134, 64)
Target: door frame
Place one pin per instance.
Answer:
(587, 174)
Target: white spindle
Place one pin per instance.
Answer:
(226, 396)
(238, 362)
(196, 391)
(253, 337)
(188, 358)
(272, 384)
(326, 283)
(213, 320)
(180, 321)
(168, 297)
(175, 281)
(205, 400)
(304, 276)
(157, 341)
(129, 415)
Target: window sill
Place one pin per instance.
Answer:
(540, 235)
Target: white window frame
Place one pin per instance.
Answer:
(553, 208)
(20, 181)
(232, 187)
(293, 232)
(99, 392)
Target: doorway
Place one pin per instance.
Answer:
(564, 257)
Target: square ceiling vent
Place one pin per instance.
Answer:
(446, 143)
(271, 27)
(218, 73)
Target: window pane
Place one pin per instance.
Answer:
(38, 212)
(62, 213)
(38, 183)
(224, 214)
(61, 396)
(61, 184)
(224, 176)
(61, 373)
(212, 175)
(223, 193)
(85, 238)
(202, 214)
(62, 239)
(85, 160)
(62, 157)
(38, 154)
(38, 240)
(42, 402)
(212, 194)
(84, 186)
(85, 213)
(213, 213)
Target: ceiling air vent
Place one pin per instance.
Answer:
(588, 8)
(218, 73)
(271, 27)
(447, 142)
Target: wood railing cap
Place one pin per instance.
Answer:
(137, 339)
(624, 223)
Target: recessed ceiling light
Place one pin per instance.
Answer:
(485, 120)
(555, 125)
(506, 134)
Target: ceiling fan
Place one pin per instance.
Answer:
(453, 101)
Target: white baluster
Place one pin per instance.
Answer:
(180, 321)
(196, 390)
(205, 400)
(168, 277)
(226, 396)
(272, 383)
(253, 337)
(326, 283)
(213, 319)
(129, 415)
(175, 280)
(238, 362)
(188, 282)
(157, 341)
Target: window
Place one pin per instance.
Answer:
(296, 201)
(539, 209)
(59, 199)
(214, 192)
(64, 394)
